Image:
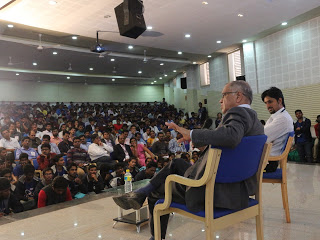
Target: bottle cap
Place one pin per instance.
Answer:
(127, 170)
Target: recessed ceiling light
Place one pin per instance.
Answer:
(284, 23)
(161, 64)
(218, 41)
(91, 69)
(149, 27)
(22, 234)
(187, 35)
(209, 56)
(52, 2)
(99, 236)
(113, 79)
(154, 81)
(139, 72)
(68, 77)
(112, 60)
(245, 40)
(10, 26)
(179, 53)
(166, 75)
(205, 3)
(130, 46)
(194, 63)
(160, 78)
(240, 15)
(34, 64)
(74, 37)
(54, 53)
(17, 74)
(174, 70)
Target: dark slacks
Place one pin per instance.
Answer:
(305, 151)
(176, 166)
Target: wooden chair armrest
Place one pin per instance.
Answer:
(275, 158)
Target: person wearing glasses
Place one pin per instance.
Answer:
(239, 120)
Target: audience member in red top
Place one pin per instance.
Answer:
(45, 158)
(54, 193)
(118, 126)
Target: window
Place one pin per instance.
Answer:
(204, 74)
(234, 60)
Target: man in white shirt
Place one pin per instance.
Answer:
(278, 125)
(100, 152)
(10, 144)
(47, 131)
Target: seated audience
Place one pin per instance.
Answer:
(93, 181)
(147, 173)
(53, 148)
(10, 144)
(80, 131)
(117, 176)
(132, 166)
(152, 139)
(78, 155)
(56, 192)
(23, 161)
(7, 173)
(58, 168)
(65, 145)
(160, 148)
(107, 139)
(55, 137)
(75, 183)
(34, 141)
(47, 177)
(175, 147)
(47, 131)
(8, 201)
(84, 144)
(45, 159)
(100, 152)
(25, 142)
(122, 152)
(138, 150)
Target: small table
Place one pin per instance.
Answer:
(138, 216)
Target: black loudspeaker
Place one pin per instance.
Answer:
(130, 18)
(205, 101)
(242, 78)
(184, 83)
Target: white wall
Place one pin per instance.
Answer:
(53, 92)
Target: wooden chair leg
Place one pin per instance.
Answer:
(209, 231)
(285, 201)
(259, 225)
(157, 225)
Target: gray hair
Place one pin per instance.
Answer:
(243, 87)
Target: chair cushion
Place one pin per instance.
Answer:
(218, 212)
(273, 175)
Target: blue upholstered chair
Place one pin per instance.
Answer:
(224, 165)
(280, 175)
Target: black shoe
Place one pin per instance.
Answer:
(130, 200)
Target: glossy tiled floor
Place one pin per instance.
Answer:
(93, 220)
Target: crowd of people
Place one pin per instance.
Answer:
(56, 153)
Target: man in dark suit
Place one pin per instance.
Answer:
(122, 151)
(239, 120)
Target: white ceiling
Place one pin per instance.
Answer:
(218, 20)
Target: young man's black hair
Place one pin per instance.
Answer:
(273, 92)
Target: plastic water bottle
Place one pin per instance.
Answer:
(127, 181)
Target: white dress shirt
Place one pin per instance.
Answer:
(9, 144)
(277, 128)
(95, 151)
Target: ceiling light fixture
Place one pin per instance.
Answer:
(209, 56)
(245, 40)
(34, 64)
(17, 74)
(160, 78)
(91, 69)
(130, 47)
(68, 77)
(218, 41)
(284, 23)
(113, 79)
(149, 27)
(187, 35)
(194, 63)
(154, 81)
(54, 53)
(179, 53)
(205, 3)
(112, 59)
(166, 75)
(139, 72)
(74, 37)
(161, 64)
(174, 70)
(52, 2)
(10, 26)
(240, 15)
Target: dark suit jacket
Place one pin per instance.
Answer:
(237, 123)
(305, 130)
(118, 153)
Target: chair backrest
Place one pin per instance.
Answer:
(290, 134)
(241, 162)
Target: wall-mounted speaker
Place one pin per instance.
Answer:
(183, 83)
(241, 78)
